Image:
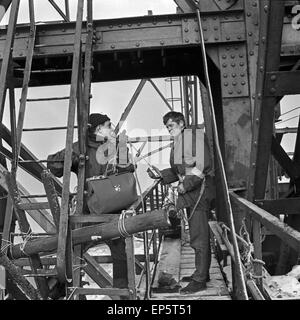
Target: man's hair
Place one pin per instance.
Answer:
(174, 116)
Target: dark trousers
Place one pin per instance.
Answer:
(200, 237)
(118, 254)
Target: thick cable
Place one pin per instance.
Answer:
(239, 270)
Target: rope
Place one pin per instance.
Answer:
(198, 200)
(248, 250)
(22, 246)
(121, 225)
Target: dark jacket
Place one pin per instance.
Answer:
(191, 183)
(93, 167)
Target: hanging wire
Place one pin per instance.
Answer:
(282, 121)
(288, 112)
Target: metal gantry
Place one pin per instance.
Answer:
(251, 59)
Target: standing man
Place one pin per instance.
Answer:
(100, 132)
(191, 165)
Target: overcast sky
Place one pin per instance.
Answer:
(110, 98)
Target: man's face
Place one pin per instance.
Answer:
(174, 128)
(105, 130)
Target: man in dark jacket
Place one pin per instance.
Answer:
(191, 165)
(100, 149)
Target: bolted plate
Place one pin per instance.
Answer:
(234, 74)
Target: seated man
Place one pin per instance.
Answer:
(100, 133)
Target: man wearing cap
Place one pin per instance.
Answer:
(100, 148)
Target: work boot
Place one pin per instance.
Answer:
(190, 278)
(193, 286)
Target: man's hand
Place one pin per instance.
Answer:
(181, 189)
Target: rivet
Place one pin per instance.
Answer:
(233, 64)
(243, 83)
(239, 91)
(224, 56)
(215, 18)
(273, 78)
(239, 37)
(162, 42)
(249, 14)
(234, 83)
(261, 68)
(187, 40)
(251, 53)
(216, 28)
(253, 164)
(225, 75)
(233, 75)
(266, 8)
(230, 92)
(185, 20)
(197, 40)
(216, 38)
(65, 50)
(225, 84)
(205, 39)
(169, 21)
(256, 43)
(259, 96)
(120, 26)
(241, 55)
(250, 34)
(263, 39)
(224, 65)
(129, 24)
(137, 44)
(272, 90)
(254, 4)
(110, 26)
(232, 56)
(227, 38)
(227, 48)
(63, 30)
(186, 30)
(242, 74)
(241, 64)
(255, 142)
(112, 46)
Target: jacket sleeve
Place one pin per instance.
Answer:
(168, 176)
(192, 182)
(56, 162)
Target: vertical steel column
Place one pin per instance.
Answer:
(271, 24)
(64, 239)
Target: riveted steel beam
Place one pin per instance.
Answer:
(131, 33)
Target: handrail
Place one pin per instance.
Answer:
(286, 233)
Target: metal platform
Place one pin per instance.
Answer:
(216, 287)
